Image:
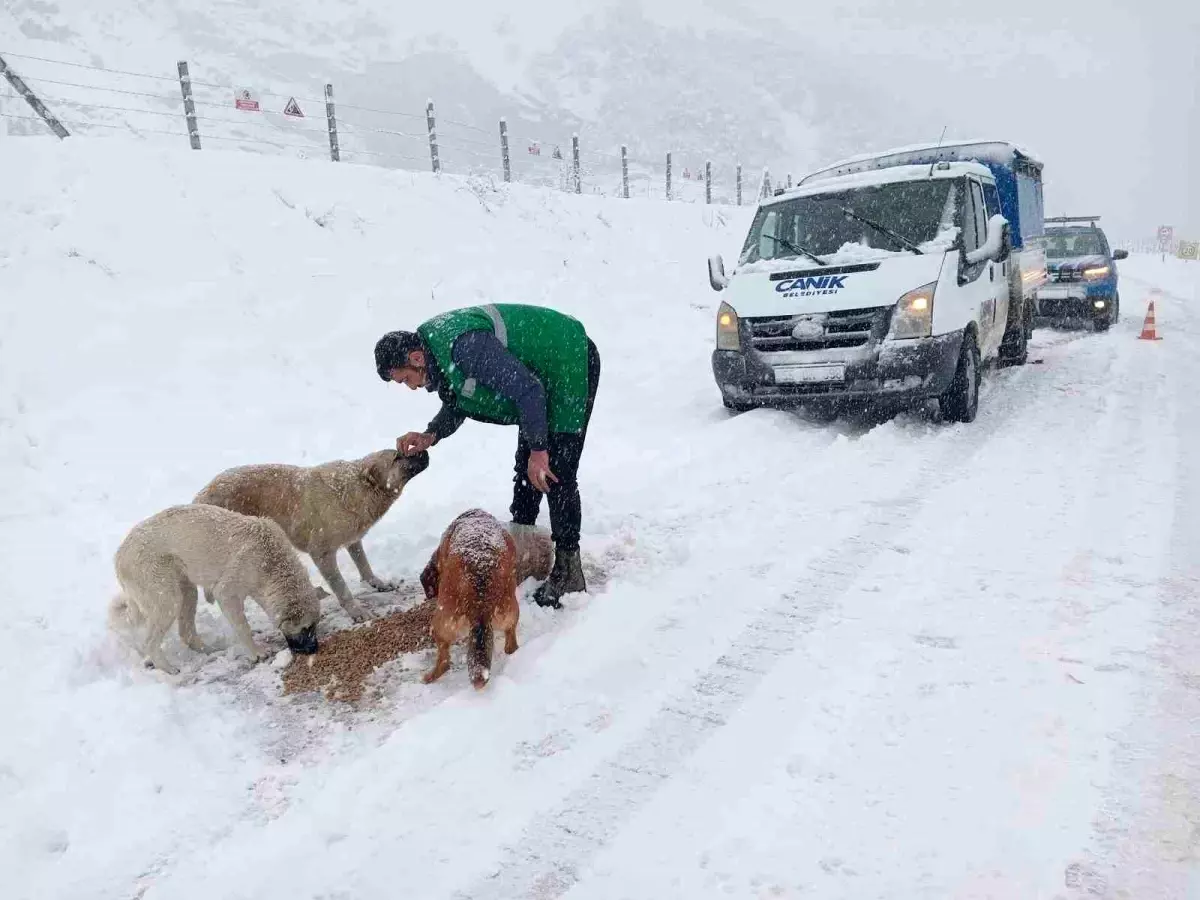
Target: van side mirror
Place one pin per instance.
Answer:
(716, 273)
(1121, 254)
(994, 247)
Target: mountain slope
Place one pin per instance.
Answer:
(706, 86)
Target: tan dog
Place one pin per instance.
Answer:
(322, 508)
(473, 576)
(164, 558)
(535, 551)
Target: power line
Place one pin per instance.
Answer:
(98, 87)
(357, 127)
(225, 87)
(4, 115)
(471, 141)
(87, 124)
(457, 149)
(380, 112)
(417, 159)
(463, 125)
(148, 112)
(59, 62)
(155, 112)
(246, 140)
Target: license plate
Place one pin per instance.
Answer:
(1058, 293)
(807, 374)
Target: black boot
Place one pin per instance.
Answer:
(567, 578)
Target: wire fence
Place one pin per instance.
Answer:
(87, 99)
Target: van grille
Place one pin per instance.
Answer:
(840, 329)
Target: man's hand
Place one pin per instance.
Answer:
(539, 472)
(414, 442)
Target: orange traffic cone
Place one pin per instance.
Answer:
(1148, 331)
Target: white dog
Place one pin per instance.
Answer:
(322, 508)
(166, 557)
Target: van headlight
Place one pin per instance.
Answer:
(913, 317)
(727, 328)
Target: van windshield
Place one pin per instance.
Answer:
(922, 212)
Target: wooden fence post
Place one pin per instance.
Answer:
(189, 105)
(668, 174)
(575, 163)
(739, 184)
(335, 149)
(624, 171)
(431, 123)
(708, 181)
(32, 99)
(504, 157)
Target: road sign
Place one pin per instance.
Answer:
(1189, 250)
(1165, 233)
(243, 99)
(293, 109)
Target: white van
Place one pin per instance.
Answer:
(889, 285)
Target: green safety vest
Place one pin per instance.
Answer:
(552, 345)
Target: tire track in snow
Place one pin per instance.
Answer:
(1144, 841)
(659, 849)
(552, 853)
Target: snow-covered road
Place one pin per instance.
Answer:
(858, 660)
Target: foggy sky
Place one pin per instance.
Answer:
(1104, 93)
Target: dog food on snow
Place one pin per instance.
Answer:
(346, 659)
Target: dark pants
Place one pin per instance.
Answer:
(565, 451)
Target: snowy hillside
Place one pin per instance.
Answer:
(790, 87)
(615, 72)
(849, 660)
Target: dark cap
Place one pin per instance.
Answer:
(391, 351)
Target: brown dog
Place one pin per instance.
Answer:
(472, 574)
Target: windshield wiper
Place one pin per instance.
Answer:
(882, 229)
(796, 248)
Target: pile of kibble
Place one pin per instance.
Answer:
(346, 659)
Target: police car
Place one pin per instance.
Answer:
(1082, 273)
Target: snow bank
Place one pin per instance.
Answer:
(167, 314)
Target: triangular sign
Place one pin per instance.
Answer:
(293, 109)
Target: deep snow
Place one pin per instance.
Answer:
(850, 660)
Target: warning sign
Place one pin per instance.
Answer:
(1165, 234)
(245, 100)
(1189, 250)
(293, 109)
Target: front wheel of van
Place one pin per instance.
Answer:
(960, 403)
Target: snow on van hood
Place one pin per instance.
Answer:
(805, 287)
